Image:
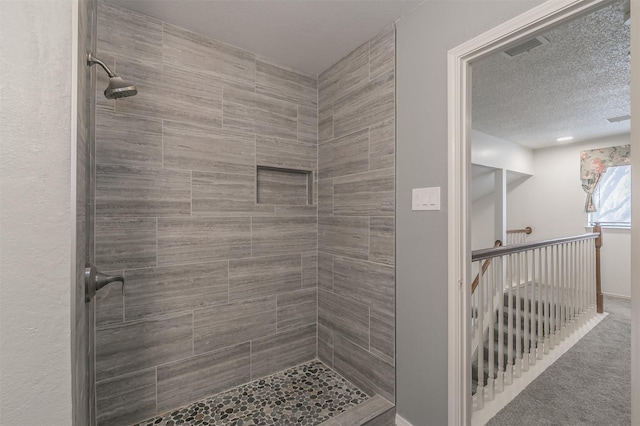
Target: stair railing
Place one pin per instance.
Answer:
(528, 298)
(518, 236)
(485, 265)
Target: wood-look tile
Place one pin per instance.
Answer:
(126, 399)
(344, 236)
(325, 345)
(264, 276)
(372, 103)
(232, 324)
(110, 303)
(297, 210)
(275, 118)
(310, 269)
(325, 123)
(123, 191)
(369, 283)
(308, 125)
(344, 156)
(282, 187)
(123, 33)
(237, 109)
(156, 291)
(81, 178)
(274, 353)
(373, 411)
(128, 140)
(388, 418)
(315, 189)
(382, 240)
(344, 317)
(149, 80)
(383, 335)
(367, 371)
(365, 194)
(283, 235)
(325, 271)
(325, 197)
(191, 96)
(195, 378)
(129, 347)
(297, 308)
(382, 145)
(285, 84)
(225, 62)
(192, 147)
(382, 53)
(194, 240)
(276, 152)
(225, 194)
(125, 243)
(344, 75)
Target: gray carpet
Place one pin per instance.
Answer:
(588, 385)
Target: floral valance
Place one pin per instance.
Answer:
(595, 161)
(593, 164)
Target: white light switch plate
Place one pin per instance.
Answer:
(426, 198)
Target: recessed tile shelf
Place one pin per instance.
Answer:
(277, 185)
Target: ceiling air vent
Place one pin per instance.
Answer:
(526, 46)
(619, 118)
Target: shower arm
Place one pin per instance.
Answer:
(92, 60)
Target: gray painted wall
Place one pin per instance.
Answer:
(423, 39)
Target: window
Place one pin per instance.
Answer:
(612, 198)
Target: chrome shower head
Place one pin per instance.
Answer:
(117, 88)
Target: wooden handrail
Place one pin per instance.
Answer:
(514, 248)
(526, 230)
(484, 268)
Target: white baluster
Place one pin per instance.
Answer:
(554, 296)
(500, 319)
(480, 338)
(547, 300)
(526, 307)
(518, 358)
(541, 308)
(490, 388)
(509, 367)
(562, 289)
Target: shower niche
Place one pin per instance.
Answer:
(275, 185)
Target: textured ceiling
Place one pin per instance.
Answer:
(569, 86)
(308, 35)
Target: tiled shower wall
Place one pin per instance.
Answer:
(83, 391)
(219, 290)
(356, 211)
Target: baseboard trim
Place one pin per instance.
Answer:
(401, 421)
(619, 296)
(491, 408)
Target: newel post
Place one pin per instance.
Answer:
(599, 299)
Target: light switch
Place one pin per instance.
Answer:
(426, 198)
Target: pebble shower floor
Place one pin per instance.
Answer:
(307, 394)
